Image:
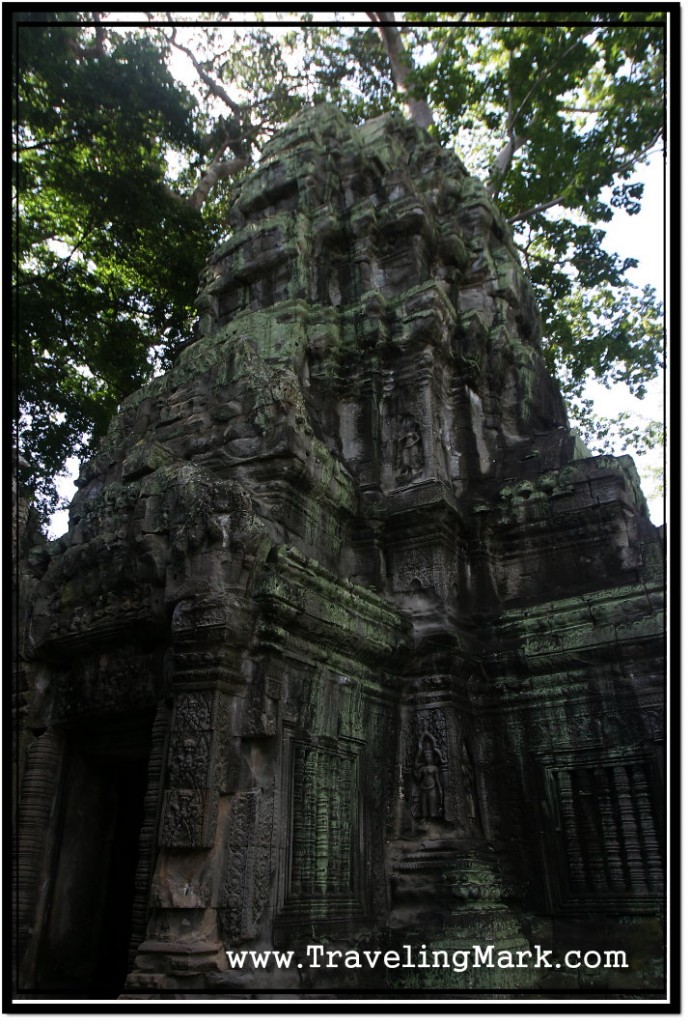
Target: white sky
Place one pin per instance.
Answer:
(641, 237)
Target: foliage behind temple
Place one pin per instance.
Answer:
(124, 177)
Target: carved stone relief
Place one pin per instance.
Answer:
(325, 844)
(412, 636)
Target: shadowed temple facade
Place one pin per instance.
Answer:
(350, 640)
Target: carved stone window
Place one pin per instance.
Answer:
(609, 844)
(324, 858)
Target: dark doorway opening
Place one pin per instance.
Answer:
(126, 781)
(87, 940)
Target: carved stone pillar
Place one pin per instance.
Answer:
(147, 836)
(33, 829)
(183, 941)
(610, 839)
(634, 861)
(572, 845)
(370, 428)
(649, 843)
(425, 374)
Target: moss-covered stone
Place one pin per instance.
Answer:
(386, 642)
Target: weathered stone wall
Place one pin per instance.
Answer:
(384, 642)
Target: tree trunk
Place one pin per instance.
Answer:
(215, 172)
(502, 163)
(418, 110)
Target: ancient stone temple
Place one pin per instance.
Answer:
(350, 642)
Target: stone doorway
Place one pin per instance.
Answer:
(88, 934)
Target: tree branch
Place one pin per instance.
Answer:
(97, 48)
(218, 169)
(215, 87)
(583, 110)
(624, 166)
(47, 143)
(540, 208)
(61, 262)
(641, 155)
(542, 77)
(502, 163)
(460, 17)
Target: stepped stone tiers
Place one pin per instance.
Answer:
(350, 640)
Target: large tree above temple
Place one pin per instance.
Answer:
(123, 177)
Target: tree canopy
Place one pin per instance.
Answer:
(123, 176)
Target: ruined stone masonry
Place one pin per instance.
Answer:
(349, 639)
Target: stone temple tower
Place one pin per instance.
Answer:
(349, 636)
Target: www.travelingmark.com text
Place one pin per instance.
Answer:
(317, 957)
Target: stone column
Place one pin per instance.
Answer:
(183, 947)
(39, 790)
